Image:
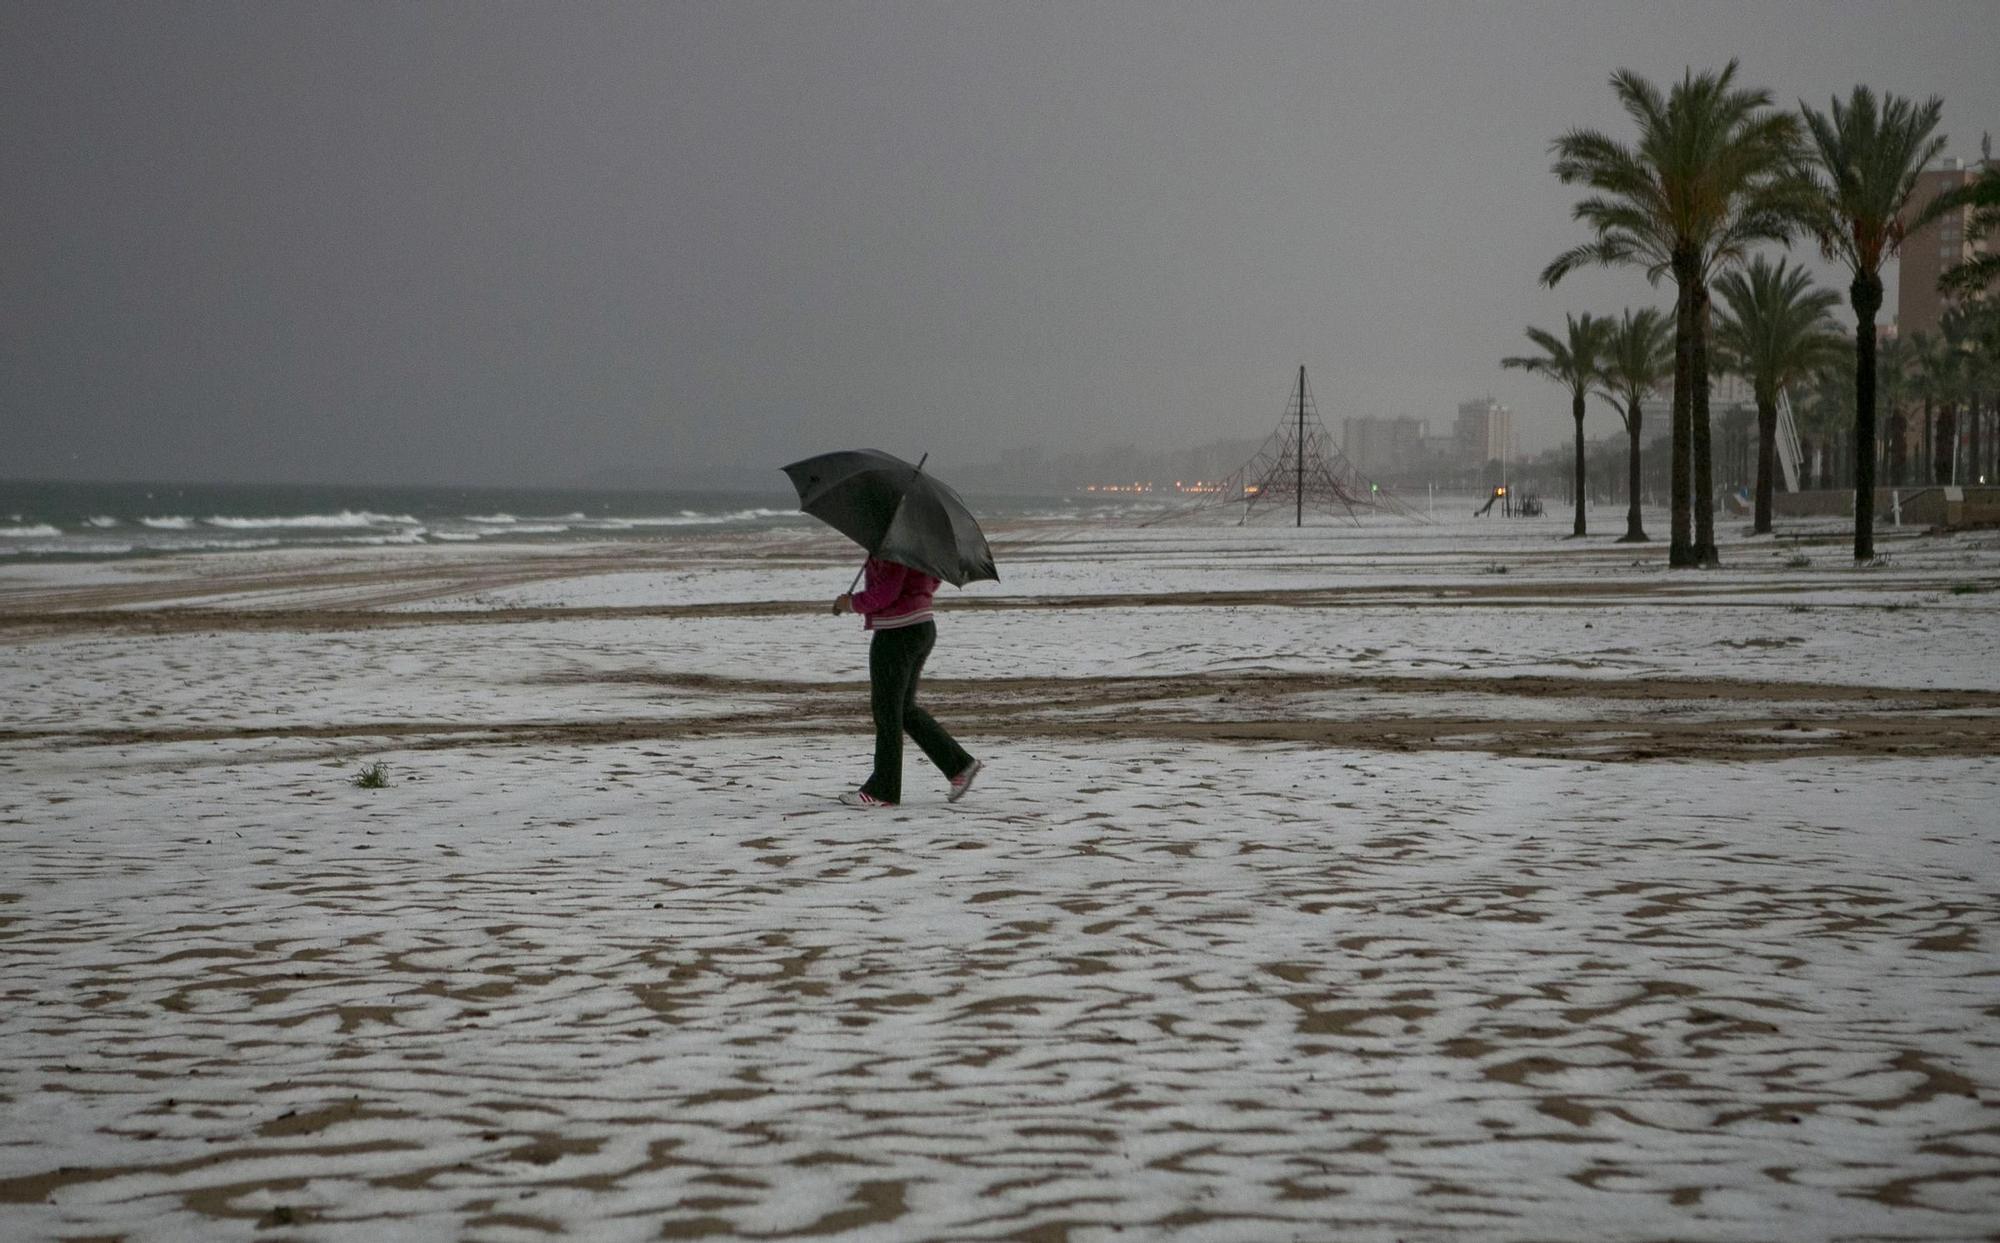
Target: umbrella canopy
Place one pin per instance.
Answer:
(896, 512)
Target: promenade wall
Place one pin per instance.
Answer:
(1920, 506)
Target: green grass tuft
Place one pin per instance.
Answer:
(373, 776)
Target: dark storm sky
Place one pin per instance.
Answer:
(526, 243)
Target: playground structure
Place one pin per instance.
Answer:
(1523, 505)
(1298, 463)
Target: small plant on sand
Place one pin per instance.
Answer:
(1797, 561)
(1496, 568)
(373, 776)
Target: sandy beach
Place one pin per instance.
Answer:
(1390, 882)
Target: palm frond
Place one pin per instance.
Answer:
(1639, 355)
(1775, 325)
(1707, 178)
(1868, 154)
(1575, 361)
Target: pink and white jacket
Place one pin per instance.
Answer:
(893, 595)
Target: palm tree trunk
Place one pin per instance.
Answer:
(1993, 464)
(1680, 543)
(1898, 448)
(1635, 531)
(1939, 422)
(1767, 457)
(1947, 464)
(1929, 473)
(1975, 453)
(1576, 412)
(1866, 296)
(1993, 442)
(1704, 461)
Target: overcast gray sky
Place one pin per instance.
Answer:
(523, 243)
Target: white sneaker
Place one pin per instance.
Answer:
(861, 798)
(963, 782)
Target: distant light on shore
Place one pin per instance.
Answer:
(1194, 486)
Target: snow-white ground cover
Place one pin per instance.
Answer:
(1385, 557)
(605, 961)
(546, 670)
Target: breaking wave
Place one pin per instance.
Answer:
(689, 517)
(346, 519)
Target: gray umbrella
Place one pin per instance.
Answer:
(895, 511)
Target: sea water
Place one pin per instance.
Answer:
(113, 520)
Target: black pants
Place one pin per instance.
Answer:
(895, 660)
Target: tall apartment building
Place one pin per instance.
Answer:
(1485, 431)
(1930, 251)
(1380, 445)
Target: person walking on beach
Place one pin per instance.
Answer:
(895, 602)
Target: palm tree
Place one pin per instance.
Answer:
(1704, 183)
(1830, 415)
(1983, 357)
(1931, 376)
(1864, 159)
(1775, 329)
(1639, 355)
(1576, 364)
(1972, 335)
(1961, 329)
(1892, 386)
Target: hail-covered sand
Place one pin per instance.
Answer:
(1391, 882)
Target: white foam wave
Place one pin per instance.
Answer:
(79, 549)
(346, 519)
(513, 521)
(104, 520)
(689, 517)
(40, 530)
(534, 528)
(207, 545)
(167, 524)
